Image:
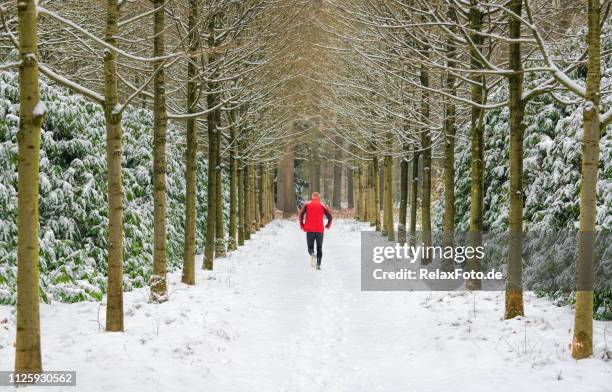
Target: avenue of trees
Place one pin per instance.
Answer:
(346, 98)
(407, 82)
(215, 68)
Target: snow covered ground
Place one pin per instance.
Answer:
(265, 321)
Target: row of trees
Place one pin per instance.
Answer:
(214, 65)
(411, 79)
(403, 80)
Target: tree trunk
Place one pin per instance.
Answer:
(414, 193)
(268, 186)
(327, 196)
(254, 202)
(211, 212)
(426, 182)
(388, 194)
(261, 185)
(377, 193)
(220, 250)
(350, 192)
(286, 189)
(366, 176)
(582, 344)
(337, 192)
(160, 123)
(396, 180)
(317, 175)
(381, 186)
(253, 213)
(449, 180)
(361, 200)
(27, 345)
(260, 196)
(477, 145)
(256, 193)
(189, 250)
(369, 196)
(401, 224)
(114, 135)
(233, 166)
(241, 200)
(271, 194)
(247, 202)
(514, 283)
(449, 151)
(312, 187)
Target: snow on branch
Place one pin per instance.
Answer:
(53, 15)
(11, 65)
(70, 84)
(40, 110)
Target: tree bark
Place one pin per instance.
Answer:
(449, 177)
(27, 344)
(369, 195)
(247, 201)
(317, 172)
(253, 213)
(361, 181)
(401, 224)
(426, 182)
(271, 193)
(231, 242)
(211, 212)
(381, 187)
(266, 201)
(254, 201)
(264, 195)
(477, 145)
(241, 200)
(189, 249)
(449, 150)
(414, 193)
(388, 194)
(314, 169)
(326, 194)
(582, 343)
(350, 192)
(260, 196)
(377, 195)
(286, 189)
(337, 192)
(514, 283)
(160, 124)
(114, 135)
(220, 250)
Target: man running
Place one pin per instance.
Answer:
(314, 211)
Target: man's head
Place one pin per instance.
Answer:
(315, 195)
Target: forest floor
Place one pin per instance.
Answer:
(264, 320)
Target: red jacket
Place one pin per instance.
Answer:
(314, 211)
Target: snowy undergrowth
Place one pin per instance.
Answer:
(73, 202)
(552, 172)
(552, 159)
(264, 320)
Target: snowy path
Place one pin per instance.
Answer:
(265, 321)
